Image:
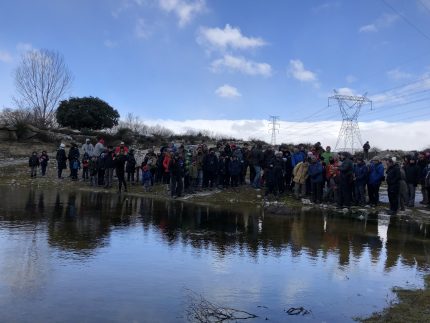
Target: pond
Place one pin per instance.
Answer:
(96, 257)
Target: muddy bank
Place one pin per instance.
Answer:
(14, 172)
(412, 306)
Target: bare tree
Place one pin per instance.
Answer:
(42, 79)
(134, 123)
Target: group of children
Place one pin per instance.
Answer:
(35, 161)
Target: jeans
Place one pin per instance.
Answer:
(256, 182)
(411, 189)
(108, 177)
(360, 198)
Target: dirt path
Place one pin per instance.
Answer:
(12, 161)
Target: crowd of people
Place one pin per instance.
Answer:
(317, 173)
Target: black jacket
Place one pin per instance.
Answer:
(33, 161)
(210, 163)
(393, 176)
(61, 158)
(131, 163)
(412, 174)
(119, 163)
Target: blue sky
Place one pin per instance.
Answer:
(235, 60)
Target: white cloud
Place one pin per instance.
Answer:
(229, 37)
(385, 135)
(5, 57)
(184, 10)
(24, 47)
(326, 6)
(110, 43)
(346, 91)
(384, 21)
(396, 74)
(227, 91)
(298, 71)
(351, 78)
(141, 29)
(240, 64)
(368, 28)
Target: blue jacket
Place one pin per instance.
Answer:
(297, 158)
(146, 176)
(376, 173)
(360, 173)
(315, 171)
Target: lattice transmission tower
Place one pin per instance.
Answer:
(274, 128)
(349, 138)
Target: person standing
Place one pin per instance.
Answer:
(327, 154)
(88, 148)
(93, 171)
(316, 177)
(73, 154)
(366, 148)
(412, 178)
(33, 163)
(109, 166)
(257, 158)
(119, 163)
(376, 175)
(176, 170)
(422, 164)
(43, 162)
(345, 181)
(403, 191)
(99, 148)
(393, 183)
(131, 166)
(360, 180)
(61, 160)
(300, 175)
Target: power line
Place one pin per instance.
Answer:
(424, 6)
(406, 20)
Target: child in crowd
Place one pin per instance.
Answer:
(43, 160)
(146, 178)
(33, 163)
(76, 166)
(93, 170)
(85, 166)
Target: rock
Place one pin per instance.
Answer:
(27, 134)
(277, 209)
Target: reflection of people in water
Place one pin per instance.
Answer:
(41, 205)
(71, 205)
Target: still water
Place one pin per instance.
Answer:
(94, 257)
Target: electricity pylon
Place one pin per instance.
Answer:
(274, 128)
(349, 134)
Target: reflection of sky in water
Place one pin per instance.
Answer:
(96, 257)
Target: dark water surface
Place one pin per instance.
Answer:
(95, 257)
